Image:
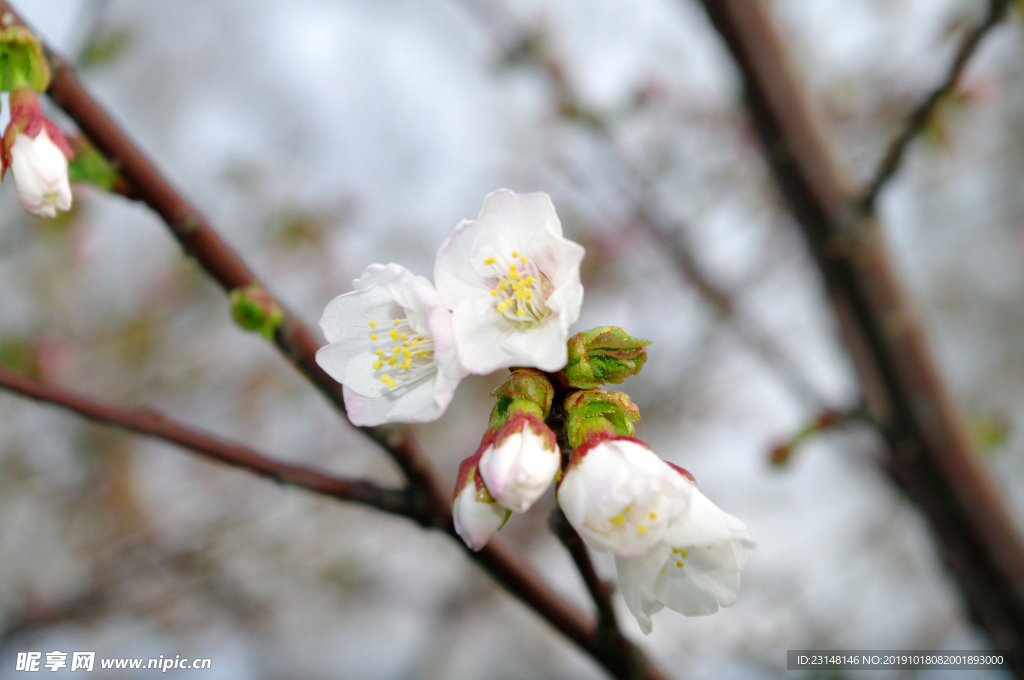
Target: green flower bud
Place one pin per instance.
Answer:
(596, 413)
(22, 63)
(606, 354)
(254, 309)
(90, 166)
(527, 391)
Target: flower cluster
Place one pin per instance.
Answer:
(33, 147)
(508, 288)
(507, 291)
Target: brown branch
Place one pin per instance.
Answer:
(143, 181)
(426, 501)
(919, 118)
(930, 455)
(625, 660)
(600, 591)
(153, 424)
(506, 567)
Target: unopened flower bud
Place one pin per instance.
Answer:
(22, 62)
(254, 309)
(606, 354)
(594, 414)
(526, 391)
(476, 514)
(521, 462)
(37, 154)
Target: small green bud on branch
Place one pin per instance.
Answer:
(22, 63)
(255, 310)
(526, 392)
(606, 354)
(596, 413)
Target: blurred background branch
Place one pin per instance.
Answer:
(930, 454)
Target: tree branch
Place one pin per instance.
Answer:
(931, 456)
(997, 9)
(505, 566)
(237, 455)
(600, 591)
(426, 500)
(198, 239)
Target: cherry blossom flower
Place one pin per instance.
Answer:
(391, 348)
(520, 463)
(512, 282)
(620, 496)
(694, 570)
(37, 154)
(673, 547)
(476, 514)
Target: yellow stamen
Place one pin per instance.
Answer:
(394, 335)
(523, 260)
(398, 321)
(520, 312)
(618, 521)
(388, 380)
(490, 260)
(515, 253)
(641, 528)
(373, 336)
(377, 365)
(404, 336)
(494, 293)
(654, 515)
(679, 564)
(380, 352)
(373, 324)
(511, 267)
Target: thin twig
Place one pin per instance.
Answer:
(921, 115)
(153, 424)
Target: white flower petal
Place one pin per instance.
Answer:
(475, 520)
(391, 347)
(519, 467)
(40, 172)
(627, 494)
(512, 282)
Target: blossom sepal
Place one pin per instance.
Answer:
(526, 391)
(519, 461)
(512, 282)
(595, 414)
(22, 62)
(477, 516)
(606, 354)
